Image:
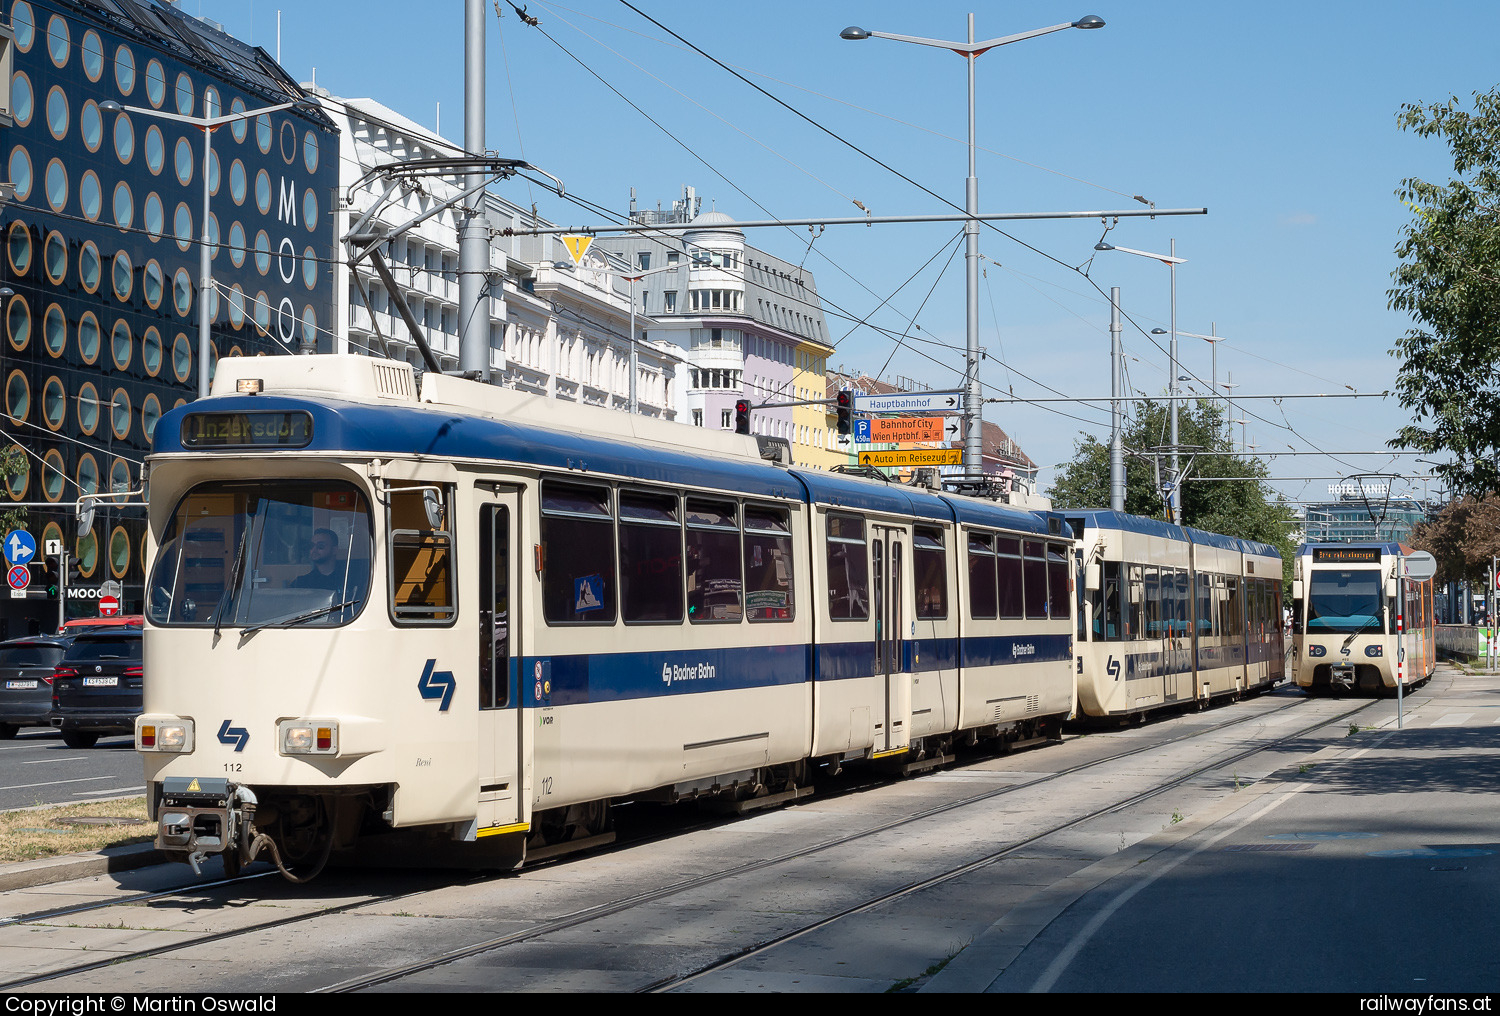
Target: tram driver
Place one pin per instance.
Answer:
(328, 570)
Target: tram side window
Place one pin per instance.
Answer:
(848, 569)
(1035, 565)
(1057, 581)
(1114, 627)
(768, 565)
(714, 586)
(421, 551)
(1231, 621)
(932, 573)
(1204, 618)
(1153, 626)
(1135, 624)
(578, 555)
(1008, 568)
(650, 557)
(981, 576)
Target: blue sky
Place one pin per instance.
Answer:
(1280, 118)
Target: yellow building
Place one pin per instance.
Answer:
(814, 439)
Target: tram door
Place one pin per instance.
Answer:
(499, 649)
(892, 619)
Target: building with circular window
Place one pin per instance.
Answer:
(102, 242)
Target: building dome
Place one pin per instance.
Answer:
(712, 226)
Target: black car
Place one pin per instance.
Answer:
(96, 688)
(26, 667)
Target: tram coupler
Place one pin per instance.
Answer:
(199, 816)
(1342, 677)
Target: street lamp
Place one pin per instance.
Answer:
(1171, 261)
(970, 51)
(207, 124)
(1213, 341)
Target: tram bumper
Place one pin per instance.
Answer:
(199, 816)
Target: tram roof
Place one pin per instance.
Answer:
(1109, 519)
(445, 432)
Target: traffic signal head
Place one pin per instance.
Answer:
(846, 412)
(742, 416)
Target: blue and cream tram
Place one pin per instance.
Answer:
(1170, 615)
(1357, 620)
(472, 615)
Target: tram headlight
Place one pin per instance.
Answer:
(171, 735)
(308, 737)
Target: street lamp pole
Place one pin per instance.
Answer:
(1171, 260)
(207, 124)
(973, 459)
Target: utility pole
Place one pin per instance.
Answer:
(474, 229)
(1116, 385)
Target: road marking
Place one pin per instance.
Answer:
(48, 761)
(1453, 720)
(55, 783)
(1066, 957)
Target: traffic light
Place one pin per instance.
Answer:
(44, 574)
(846, 412)
(742, 416)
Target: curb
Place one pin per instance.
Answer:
(47, 870)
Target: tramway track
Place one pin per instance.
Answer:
(586, 915)
(959, 871)
(166, 895)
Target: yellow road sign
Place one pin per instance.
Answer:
(577, 245)
(914, 457)
(907, 428)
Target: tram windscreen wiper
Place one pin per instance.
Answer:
(306, 615)
(231, 591)
(1373, 622)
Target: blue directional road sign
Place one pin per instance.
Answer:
(862, 431)
(20, 547)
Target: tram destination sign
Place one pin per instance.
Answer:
(1347, 555)
(910, 402)
(247, 430)
(914, 457)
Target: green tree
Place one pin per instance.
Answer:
(1449, 282)
(12, 461)
(1463, 536)
(1245, 508)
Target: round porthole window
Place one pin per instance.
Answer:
(88, 408)
(124, 70)
(151, 351)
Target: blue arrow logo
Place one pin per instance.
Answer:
(437, 684)
(237, 736)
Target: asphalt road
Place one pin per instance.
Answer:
(37, 768)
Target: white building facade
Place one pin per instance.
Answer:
(556, 330)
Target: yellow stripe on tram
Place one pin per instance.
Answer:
(500, 830)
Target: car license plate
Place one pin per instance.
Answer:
(20, 684)
(100, 682)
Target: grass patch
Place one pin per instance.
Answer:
(46, 832)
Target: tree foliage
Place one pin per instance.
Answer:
(12, 462)
(1449, 282)
(1245, 508)
(1462, 537)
